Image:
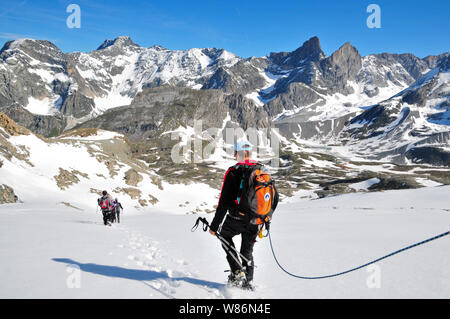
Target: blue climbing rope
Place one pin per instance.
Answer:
(359, 267)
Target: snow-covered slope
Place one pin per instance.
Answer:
(48, 251)
(74, 168)
(410, 121)
(54, 233)
(121, 69)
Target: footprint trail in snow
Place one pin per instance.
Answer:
(168, 275)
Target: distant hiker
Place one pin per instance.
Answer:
(106, 205)
(117, 209)
(243, 181)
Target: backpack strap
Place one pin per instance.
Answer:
(241, 184)
(246, 168)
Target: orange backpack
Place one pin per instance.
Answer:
(257, 192)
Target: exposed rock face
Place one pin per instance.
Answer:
(311, 74)
(397, 182)
(77, 105)
(132, 177)
(7, 149)
(429, 155)
(342, 66)
(243, 77)
(293, 70)
(7, 195)
(158, 110)
(45, 125)
(67, 178)
(117, 44)
(134, 193)
(296, 95)
(11, 127)
(309, 51)
(32, 69)
(295, 127)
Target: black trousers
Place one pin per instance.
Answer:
(106, 216)
(232, 227)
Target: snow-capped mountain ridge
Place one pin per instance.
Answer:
(119, 69)
(307, 94)
(109, 76)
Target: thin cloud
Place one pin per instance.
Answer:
(12, 8)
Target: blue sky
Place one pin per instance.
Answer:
(245, 27)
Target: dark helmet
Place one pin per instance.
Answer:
(104, 193)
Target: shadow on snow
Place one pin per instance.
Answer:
(135, 274)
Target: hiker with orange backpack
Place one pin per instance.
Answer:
(250, 197)
(106, 205)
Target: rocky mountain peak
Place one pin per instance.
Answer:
(444, 64)
(347, 50)
(40, 50)
(120, 41)
(158, 47)
(29, 45)
(309, 51)
(343, 65)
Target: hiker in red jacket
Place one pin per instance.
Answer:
(106, 205)
(237, 223)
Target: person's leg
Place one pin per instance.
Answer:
(248, 241)
(105, 218)
(227, 233)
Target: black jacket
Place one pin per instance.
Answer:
(228, 196)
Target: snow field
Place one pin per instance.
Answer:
(153, 254)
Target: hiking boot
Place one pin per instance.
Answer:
(236, 278)
(231, 280)
(248, 285)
